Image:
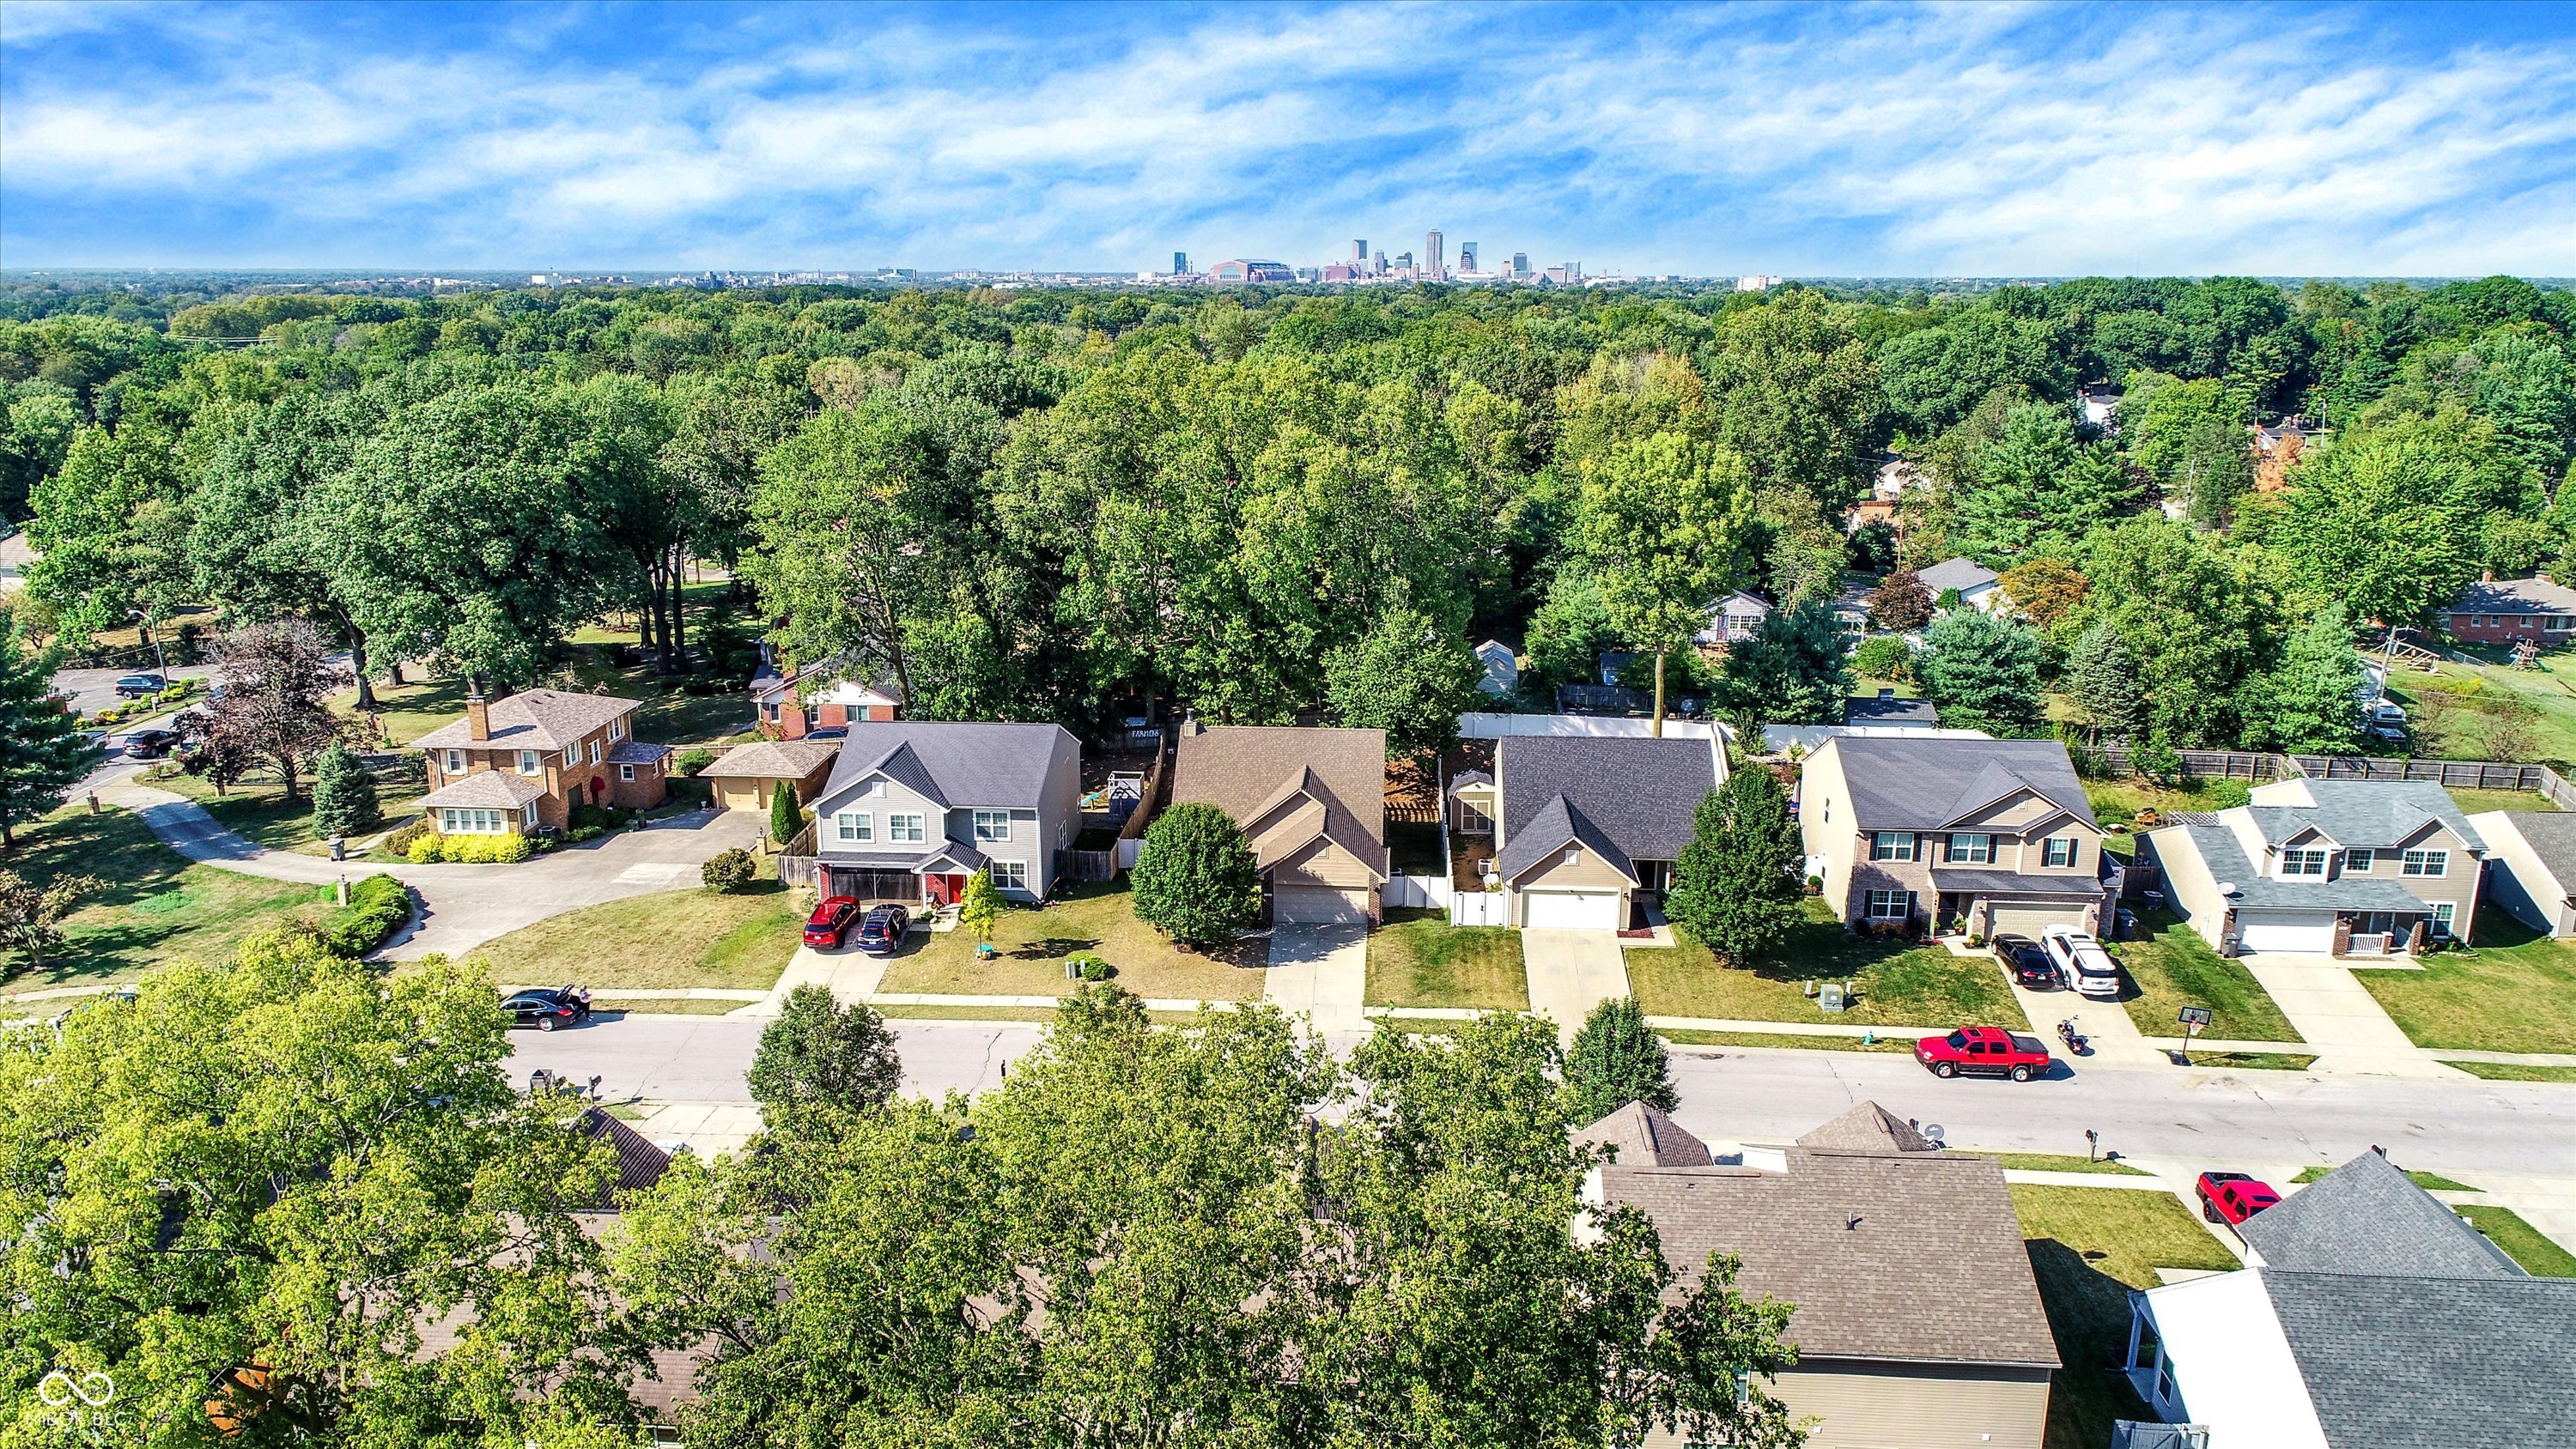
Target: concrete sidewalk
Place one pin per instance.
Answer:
(2340, 1020)
(1321, 972)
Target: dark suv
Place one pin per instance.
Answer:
(2028, 964)
(881, 934)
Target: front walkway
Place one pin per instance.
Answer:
(1571, 972)
(2339, 1019)
(1320, 971)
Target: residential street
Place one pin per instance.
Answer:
(1763, 1094)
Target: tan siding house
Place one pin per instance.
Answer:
(1312, 804)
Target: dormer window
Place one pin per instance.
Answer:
(2303, 862)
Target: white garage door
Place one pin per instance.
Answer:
(2308, 932)
(1571, 910)
(1308, 905)
(2031, 920)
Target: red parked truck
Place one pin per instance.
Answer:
(1983, 1051)
(2232, 1197)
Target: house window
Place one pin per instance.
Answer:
(456, 762)
(1011, 874)
(1890, 905)
(1972, 849)
(1891, 845)
(2358, 862)
(572, 753)
(594, 752)
(527, 762)
(2057, 852)
(769, 712)
(856, 825)
(2442, 911)
(475, 822)
(2559, 621)
(993, 825)
(626, 772)
(905, 829)
(1473, 820)
(617, 729)
(2426, 862)
(528, 816)
(2303, 862)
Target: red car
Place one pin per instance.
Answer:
(1983, 1051)
(831, 921)
(2232, 1197)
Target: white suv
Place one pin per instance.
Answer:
(2081, 960)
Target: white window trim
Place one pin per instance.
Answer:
(529, 815)
(905, 829)
(856, 826)
(2426, 864)
(528, 764)
(2295, 864)
(2048, 849)
(626, 772)
(1976, 855)
(594, 752)
(984, 828)
(455, 763)
(1011, 874)
(2443, 911)
(1898, 845)
(1887, 905)
(572, 753)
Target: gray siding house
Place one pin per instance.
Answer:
(913, 809)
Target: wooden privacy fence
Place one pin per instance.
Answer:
(1086, 865)
(2453, 774)
(796, 870)
(2201, 764)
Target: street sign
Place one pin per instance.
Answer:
(2195, 1016)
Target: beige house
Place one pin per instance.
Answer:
(1312, 802)
(1586, 827)
(1980, 836)
(747, 774)
(526, 760)
(1917, 1319)
(2325, 868)
(2531, 866)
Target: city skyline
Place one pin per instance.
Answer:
(1881, 141)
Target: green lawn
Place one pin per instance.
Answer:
(2174, 968)
(1794, 1041)
(2429, 1181)
(2063, 1162)
(1922, 986)
(257, 808)
(1031, 944)
(2515, 1072)
(152, 904)
(2255, 1061)
(667, 939)
(2476, 802)
(2539, 1256)
(2515, 991)
(2088, 1247)
(1419, 959)
(2454, 710)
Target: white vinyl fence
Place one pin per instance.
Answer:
(1499, 726)
(1419, 891)
(1477, 908)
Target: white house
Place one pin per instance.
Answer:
(1733, 619)
(1972, 581)
(1502, 668)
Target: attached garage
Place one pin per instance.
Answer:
(2302, 932)
(1569, 910)
(2019, 920)
(1319, 905)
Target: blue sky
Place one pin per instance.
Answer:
(1890, 140)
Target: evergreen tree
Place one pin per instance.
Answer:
(1195, 879)
(1792, 671)
(2311, 704)
(819, 1053)
(1737, 886)
(2036, 482)
(784, 818)
(2104, 683)
(42, 750)
(344, 794)
(1983, 674)
(1616, 1060)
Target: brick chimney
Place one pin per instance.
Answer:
(478, 712)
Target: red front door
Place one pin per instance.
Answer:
(944, 889)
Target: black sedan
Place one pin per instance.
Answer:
(150, 744)
(2029, 965)
(881, 934)
(544, 1010)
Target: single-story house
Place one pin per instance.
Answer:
(525, 761)
(1887, 712)
(2531, 866)
(2098, 406)
(1502, 669)
(743, 777)
(913, 809)
(1916, 1316)
(1312, 803)
(794, 702)
(1732, 620)
(2512, 610)
(1587, 827)
(1986, 836)
(1972, 581)
(2325, 868)
(2373, 1317)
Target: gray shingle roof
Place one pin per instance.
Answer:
(2228, 865)
(635, 752)
(2551, 834)
(1913, 1258)
(1866, 711)
(1639, 794)
(1557, 825)
(1641, 1136)
(640, 1164)
(2431, 1363)
(2017, 883)
(2368, 1217)
(1901, 783)
(544, 719)
(966, 764)
(1868, 1127)
(1962, 574)
(2366, 813)
(2516, 596)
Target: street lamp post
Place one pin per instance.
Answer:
(160, 661)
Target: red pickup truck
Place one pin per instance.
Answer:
(1988, 1051)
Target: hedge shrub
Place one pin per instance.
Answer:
(729, 872)
(471, 849)
(377, 908)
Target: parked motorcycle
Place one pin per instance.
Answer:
(2076, 1041)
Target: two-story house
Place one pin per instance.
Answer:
(912, 809)
(1587, 827)
(790, 704)
(524, 761)
(2325, 868)
(1981, 836)
(1312, 804)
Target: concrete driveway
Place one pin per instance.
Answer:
(1320, 971)
(2333, 1013)
(1571, 972)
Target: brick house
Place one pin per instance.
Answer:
(786, 713)
(524, 761)
(2509, 611)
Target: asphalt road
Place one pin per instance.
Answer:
(92, 690)
(1757, 1095)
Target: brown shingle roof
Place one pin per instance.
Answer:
(544, 719)
(1246, 769)
(773, 760)
(1644, 1137)
(1868, 1127)
(1913, 1258)
(486, 789)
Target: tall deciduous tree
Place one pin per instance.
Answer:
(42, 750)
(1405, 677)
(275, 685)
(821, 1053)
(31, 915)
(1195, 878)
(1664, 526)
(1737, 885)
(2191, 623)
(1901, 601)
(1982, 673)
(1792, 671)
(2388, 522)
(1616, 1059)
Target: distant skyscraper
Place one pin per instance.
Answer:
(1359, 253)
(1467, 256)
(1520, 264)
(1180, 264)
(1431, 256)
(1377, 263)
